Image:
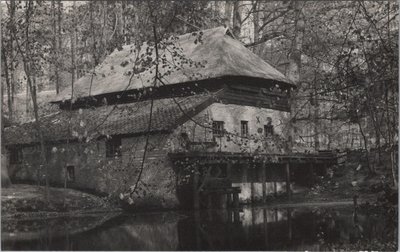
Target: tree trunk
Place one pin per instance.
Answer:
(11, 64)
(390, 135)
(295, 59)
(316, 114)
(94, 51)
(55, 49)
(26, 59)
(123, 23)
(370, 168)
(59, 35)
(5, 180)
(73, 41)
(228, 13)
(297, 44)
(236, 20)
(8, 84)
(256, 26)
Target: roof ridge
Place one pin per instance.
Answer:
(225, 56)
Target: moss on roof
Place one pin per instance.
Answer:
(132, 118)
(213, 54)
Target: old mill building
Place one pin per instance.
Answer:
(219, 128)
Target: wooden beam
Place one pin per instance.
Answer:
(229, 170)
(265, 215)
(288, 191)
(264, 186)
(222, 157)
(245, 174)
(236, 215)
(253, 173)
(196, 196)
(229, 175)
(235, 200)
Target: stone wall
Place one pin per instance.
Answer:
(92, 170)
(233, 141)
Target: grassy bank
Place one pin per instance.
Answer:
(20, 200)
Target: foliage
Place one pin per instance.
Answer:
(345, 53)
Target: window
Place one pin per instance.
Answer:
(15, 156)
(70, 173)
(244, 126)
(269, 130)
(113, 147)
(218, 128)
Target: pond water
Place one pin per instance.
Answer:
(246, 229)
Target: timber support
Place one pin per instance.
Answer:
(196, 195)
(288, 190)
(263, 179)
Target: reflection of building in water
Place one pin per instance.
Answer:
(290, 229)
(257, 216)
(252, 229)
(271, 189)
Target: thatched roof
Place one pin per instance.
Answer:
(218, 55)
(110, 120)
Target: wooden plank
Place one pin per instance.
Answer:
(288, 191)
(225, 157)
(251, 178)
(229, 176)
(277, 105)
(196, 196)
(265, 215)
(236, 201)
(229, 170)
(255, 100)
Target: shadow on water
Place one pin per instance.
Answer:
(245, 229)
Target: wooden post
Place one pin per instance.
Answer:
(235, 200)
(196, 196)
(289, 217)
(265, 227)
(236, 216)
(229, 175)
(245, 174)
(230, 213)
(229, 170)
(275, 190)
(253, 172)
(264, 186)
(288, 191)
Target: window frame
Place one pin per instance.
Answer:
(221, 129)
(244, 128)
(113, 147)
(268, 130)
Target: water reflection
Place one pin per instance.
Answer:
(245, 229)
